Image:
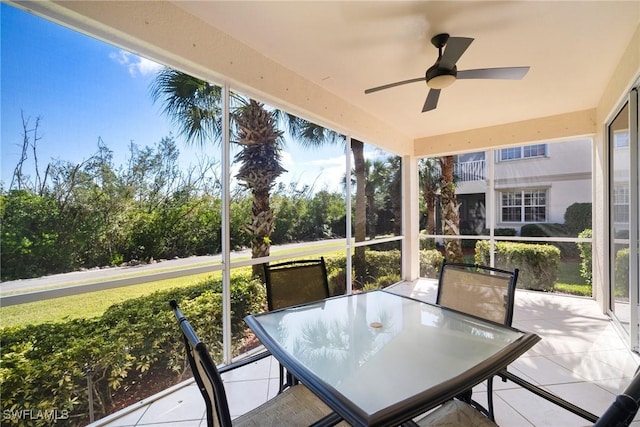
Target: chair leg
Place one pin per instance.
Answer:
(286, 380)
(490, 398)
(282, 384)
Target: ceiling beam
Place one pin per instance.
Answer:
(575, 124)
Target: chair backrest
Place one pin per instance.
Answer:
(296, 282)
(205, 373)
(624, 409)
(481, 291)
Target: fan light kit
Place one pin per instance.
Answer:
(444, 72)
(441, 81)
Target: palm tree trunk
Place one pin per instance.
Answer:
(450, 216)
(261, 227)
(430, 201)
(260, 166)
(359, 261)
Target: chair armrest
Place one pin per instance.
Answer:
(244, 362)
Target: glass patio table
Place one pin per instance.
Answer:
(378, 358)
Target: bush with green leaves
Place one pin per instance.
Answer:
(567, 249)
(538, 264)
(382, 263)
(622, 273)
(45, 366)
(430, 263)
(577, 217)
(585, 256)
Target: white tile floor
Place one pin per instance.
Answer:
(581, 358)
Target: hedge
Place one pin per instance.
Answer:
(567, 249)
(430, 263)
(538, 264)
(44, 367)
(586, 261)
(622, 273)
(577, 217)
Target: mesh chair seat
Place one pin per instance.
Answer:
(620, 413)
(297, 406)
(456, 413)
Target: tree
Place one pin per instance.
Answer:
(311, 134)
(450, 214)
(194, 106)
(429, 184)
(261, 165)
(375, 176)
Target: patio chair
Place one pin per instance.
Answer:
(481, 291)
(293, 283)
(296, 282)
(620, 413)
(295, 407)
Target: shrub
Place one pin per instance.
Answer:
(568, 249)
(577, 217)
(585, 257)
(430, 263)
(538, 264)
(44, 366)
(544, 230)
(501, 232)
(427, 243)
(382, 263)
(622, 273)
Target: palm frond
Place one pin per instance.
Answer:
(193, 105)
(309, 134)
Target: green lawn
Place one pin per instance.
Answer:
(94, 304)
(87, 305)
(570, 281)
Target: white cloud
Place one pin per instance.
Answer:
(135, 64)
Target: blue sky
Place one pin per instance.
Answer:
(83, 89)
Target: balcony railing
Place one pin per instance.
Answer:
(474, 170)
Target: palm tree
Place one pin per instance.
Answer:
(429, 183)
(194, 106)
(450, 215)
(375, 178)
(260, 166)
(312, 135)
(394, 188)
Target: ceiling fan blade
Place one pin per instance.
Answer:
(432, 100)
(390, 85)
(453, 50)
(508, 73)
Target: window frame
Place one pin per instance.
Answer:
(527, 205)
(523, 152)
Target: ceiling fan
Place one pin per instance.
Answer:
(444, 72)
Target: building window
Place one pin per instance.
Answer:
(621, 204)
(524, 206)
(621, 139)
(526, 152)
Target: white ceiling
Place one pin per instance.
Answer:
(348, 46)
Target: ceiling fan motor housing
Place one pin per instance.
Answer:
(439, 78)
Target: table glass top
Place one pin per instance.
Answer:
(378, 349)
